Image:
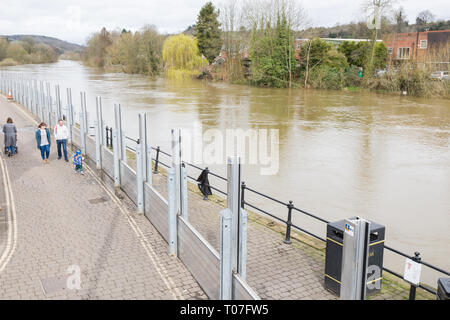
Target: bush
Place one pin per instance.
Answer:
(8, 62)
(327, 77)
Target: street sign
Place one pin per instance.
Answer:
(412, 272)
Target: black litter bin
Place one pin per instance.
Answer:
(333, 258)
(443, 292)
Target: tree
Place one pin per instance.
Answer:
(181, 56)
(3, 48)
(272, 54)
(400, 20)
(376, 9)
(424, 18)
(207, 32)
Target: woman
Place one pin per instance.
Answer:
(10, 136)
(43, 141)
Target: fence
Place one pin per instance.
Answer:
(109, 153)
(155, 209)
(290, 210)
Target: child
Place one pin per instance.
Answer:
(78, 162)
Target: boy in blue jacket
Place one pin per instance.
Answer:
(78, 162)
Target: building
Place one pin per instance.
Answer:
(422, 47)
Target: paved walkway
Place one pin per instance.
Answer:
(274, 269)
(61, 223)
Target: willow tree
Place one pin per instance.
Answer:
(181, 56)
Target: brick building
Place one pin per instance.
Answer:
(419, 46)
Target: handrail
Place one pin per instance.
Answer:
(289, 224)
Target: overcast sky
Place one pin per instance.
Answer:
(74, 21)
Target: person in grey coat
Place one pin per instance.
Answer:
(10, 131)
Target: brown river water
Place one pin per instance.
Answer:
(385, 158)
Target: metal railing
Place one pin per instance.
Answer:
(290, 207)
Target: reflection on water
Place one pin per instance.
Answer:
(384, 158)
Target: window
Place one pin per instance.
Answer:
(403, 53)
(389, 50)
(423, 44)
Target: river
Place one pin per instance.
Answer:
(341, 153)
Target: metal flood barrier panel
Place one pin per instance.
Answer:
(76, 139)
(90, 148)
(200, 258)
(107, 162)
(128, 181)
(156, 210)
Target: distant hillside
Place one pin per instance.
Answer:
(60, 45)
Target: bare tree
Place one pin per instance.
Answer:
(424, 18)
(400, 19)
(375, 9)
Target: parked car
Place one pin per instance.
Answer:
(439, 75)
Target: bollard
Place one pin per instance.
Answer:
(226, 267)
(355, 258)
(139, 179)
(243, 244)
(184, 194)
(98, 146)
(289, 223)
(412, 289)
(116, 159)
(156, 160)
(172, 201)
(82, 133)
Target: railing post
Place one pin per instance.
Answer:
(226, 265)
(412, 289)
(156, 160)
(107, 139)
(289, 223)
(111, 141)
(184, 195)
(172, 200)
(115, 140)
(242, 194)
(82, 133)
(139, 179)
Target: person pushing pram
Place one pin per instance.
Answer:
(10, 132)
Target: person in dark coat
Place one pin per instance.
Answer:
(10, 131)
(204, 184)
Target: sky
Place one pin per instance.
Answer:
(74, 21)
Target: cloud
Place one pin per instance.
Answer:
(75, 20)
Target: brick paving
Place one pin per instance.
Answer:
(112, 259)
(64, 220)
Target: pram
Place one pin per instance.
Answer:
(16, 150)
